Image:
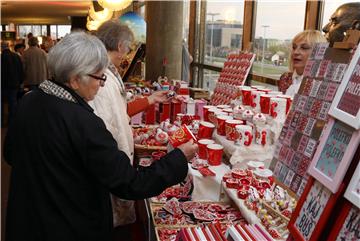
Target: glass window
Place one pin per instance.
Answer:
(43, 30)
(24, 30)
(186, 13)
(53, 31)
(210, 79)
(36, 30)
(63, 30)
(223, 31)
(330, 7)
(273, 35)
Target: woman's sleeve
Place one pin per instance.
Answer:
(112, 167)
(137, 106)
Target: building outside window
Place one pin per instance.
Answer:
(274, 31)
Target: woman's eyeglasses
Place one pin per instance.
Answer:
(102, 77)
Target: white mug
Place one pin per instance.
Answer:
(245, 135)
(262, 136)
(278, 108)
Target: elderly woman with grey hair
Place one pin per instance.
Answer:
(65, 162)
(110, 104)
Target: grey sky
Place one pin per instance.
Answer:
(285, 18)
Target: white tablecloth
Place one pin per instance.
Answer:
(240, 155)
(208, 188)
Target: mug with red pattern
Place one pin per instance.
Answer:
(262, 135)
(265, 103)
(220, 126)
(206, 130)
(202, 144)
(206, 109)
(245, 135)
(247, 98)
(215, 152)
(278, 108)
(288, 101)
(230, 130)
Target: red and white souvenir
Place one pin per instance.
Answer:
(259, 119)
(181, 136)
(161, 136)
(202, 144)
(245, 135)
(190, 206)
(256, 99)
(275, 93)
(247, 98)
(247, 115)
(278, 108)
(203, 215)
(156, 155)
(215, 152)
(212, 114)
(206, 130)
(238, 111)
(263, 174)
(227, 176)
(228, 111)
(220, 127)
(230, 130)
(262, 136)
(288, 101)
(232, 183)
(252, 165)
(206, 109)
(173, 207)
(265, 103)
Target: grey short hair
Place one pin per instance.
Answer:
(77, 54)
(112, 32)
(33, 41)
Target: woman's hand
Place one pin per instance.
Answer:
(189, 149)
(158, 97)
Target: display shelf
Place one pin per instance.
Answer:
(208, 188)
(249, 215)
(239, 155)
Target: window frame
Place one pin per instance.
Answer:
(312, 20)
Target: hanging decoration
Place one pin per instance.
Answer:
(92, 25)
(102, 16)
(115, 5)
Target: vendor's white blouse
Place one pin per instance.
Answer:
(294, 87)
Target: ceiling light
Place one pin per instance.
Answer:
(115, 5)
(103, 15)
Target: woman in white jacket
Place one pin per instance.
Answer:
(110, 104)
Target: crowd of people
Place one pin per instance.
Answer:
(70, 144)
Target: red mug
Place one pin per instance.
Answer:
(265, 103)
(230, 130)
(181, 136)
(202, 151)
(211, 116)
(247, 97)
(220, 126)
(206, 112)
(206, 130)
(215, 152)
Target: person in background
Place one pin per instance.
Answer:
(301, 48)
(34, 64)
(111, 106)
(12, 76)
(65, 162)
(19, 49)
(346, 17)
(186, 61)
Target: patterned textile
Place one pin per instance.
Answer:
(285, 81)
(113, 69)
(51, 88)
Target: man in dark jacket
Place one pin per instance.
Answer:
(12, 75)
